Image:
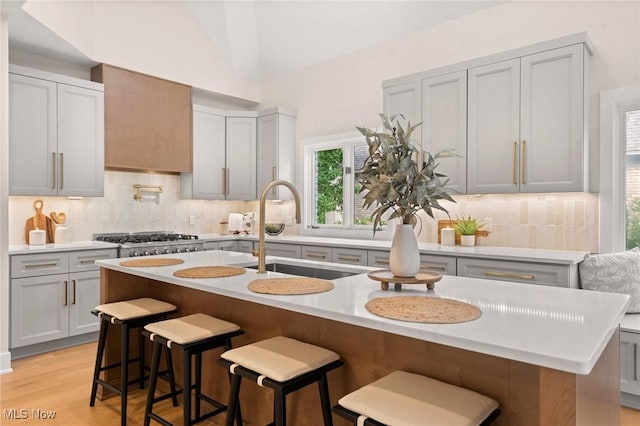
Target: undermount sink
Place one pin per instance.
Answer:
(306, 271)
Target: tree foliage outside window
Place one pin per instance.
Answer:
(329, 182)
(633, 223)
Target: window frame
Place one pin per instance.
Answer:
(614, 104)
(345, 141)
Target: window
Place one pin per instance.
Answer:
(619, 169)
(631, 134)
(331, 198)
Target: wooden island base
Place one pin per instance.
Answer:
(527, 394)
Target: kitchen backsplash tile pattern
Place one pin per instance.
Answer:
(550, 221)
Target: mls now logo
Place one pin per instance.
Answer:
(23, 413)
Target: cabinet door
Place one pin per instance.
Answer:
(522, 272)
(228, 245)
(245, 246)
(80, 141)
(444, 114)
(378, 259)
(629, 358)
(208, 177)
(493, 128)
(39, 309)
(83, 297)
(283, 250)
(30, 265)
(405, 99)
(241, 158)
(351, 256)
(319, 253)
(32, 136)
(445, 265)
(276, 153)
(552, 121)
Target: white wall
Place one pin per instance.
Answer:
(5, 356)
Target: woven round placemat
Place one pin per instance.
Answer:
(151, 261)
(290, 285)
(423, 309)
(209, 272)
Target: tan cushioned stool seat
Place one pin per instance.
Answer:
(407, 399)
(281, 358)
(191, 328)
(135, 308)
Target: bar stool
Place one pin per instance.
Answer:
(193, 334)
(129, 314)
(411, 399)
(284, 365)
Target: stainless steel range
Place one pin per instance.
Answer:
(134, 244)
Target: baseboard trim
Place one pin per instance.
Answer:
(630, 400)
(39, 348)
(5, 363)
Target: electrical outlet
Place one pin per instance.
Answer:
(192, 220)
(488, 224)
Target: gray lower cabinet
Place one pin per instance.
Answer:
(230, 245)
(283, 250)
(318, 253)
(513, 271)
(428, 262)
(52, 295)
(350, 256)
(629, 369)
(245, 246)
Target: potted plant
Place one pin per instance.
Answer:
(467, 228)
(394, 179)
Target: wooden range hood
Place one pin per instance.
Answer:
(147, 121)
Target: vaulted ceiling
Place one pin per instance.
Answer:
(256, 39)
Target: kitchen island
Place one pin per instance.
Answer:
(547, 355)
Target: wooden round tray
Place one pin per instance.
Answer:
(385, 277)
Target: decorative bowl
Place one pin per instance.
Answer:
(273, 228)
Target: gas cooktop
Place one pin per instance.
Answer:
(142, 237)
(151, 243)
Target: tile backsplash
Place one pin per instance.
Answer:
(551, 221)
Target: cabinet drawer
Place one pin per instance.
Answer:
(80, 261)
(319, 253)
(351, 256)
(31, 265)
(245, 246)
(445, 265)
(524, 272)
(283, 250)
(378, 259)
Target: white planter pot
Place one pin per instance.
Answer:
(468, 240)
(404, 259)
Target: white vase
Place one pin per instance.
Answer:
(468, 240)
(404, 259)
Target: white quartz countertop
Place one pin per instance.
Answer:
(73, 246)
(560, 328)
(564, 257)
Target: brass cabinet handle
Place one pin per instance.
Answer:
(53, 176)
(274, 174)
(432, 267)
(61, 170)
(349, 258)
(522, 161)
(88, 262)
(40, 265)
(226, 182)
(515, 156)
(66, 293)
(635, 362)
(316, 255)
(509, 275)
(74, 292)
(381, 262)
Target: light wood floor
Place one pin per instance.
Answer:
(60, 382)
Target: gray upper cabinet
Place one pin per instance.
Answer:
(526, 124)
(444, 114)
(517, 117)
(224, 156)
(276, 150)
(56, 135)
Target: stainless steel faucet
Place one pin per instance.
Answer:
(260, 252)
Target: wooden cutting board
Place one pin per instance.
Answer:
(39, 221)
